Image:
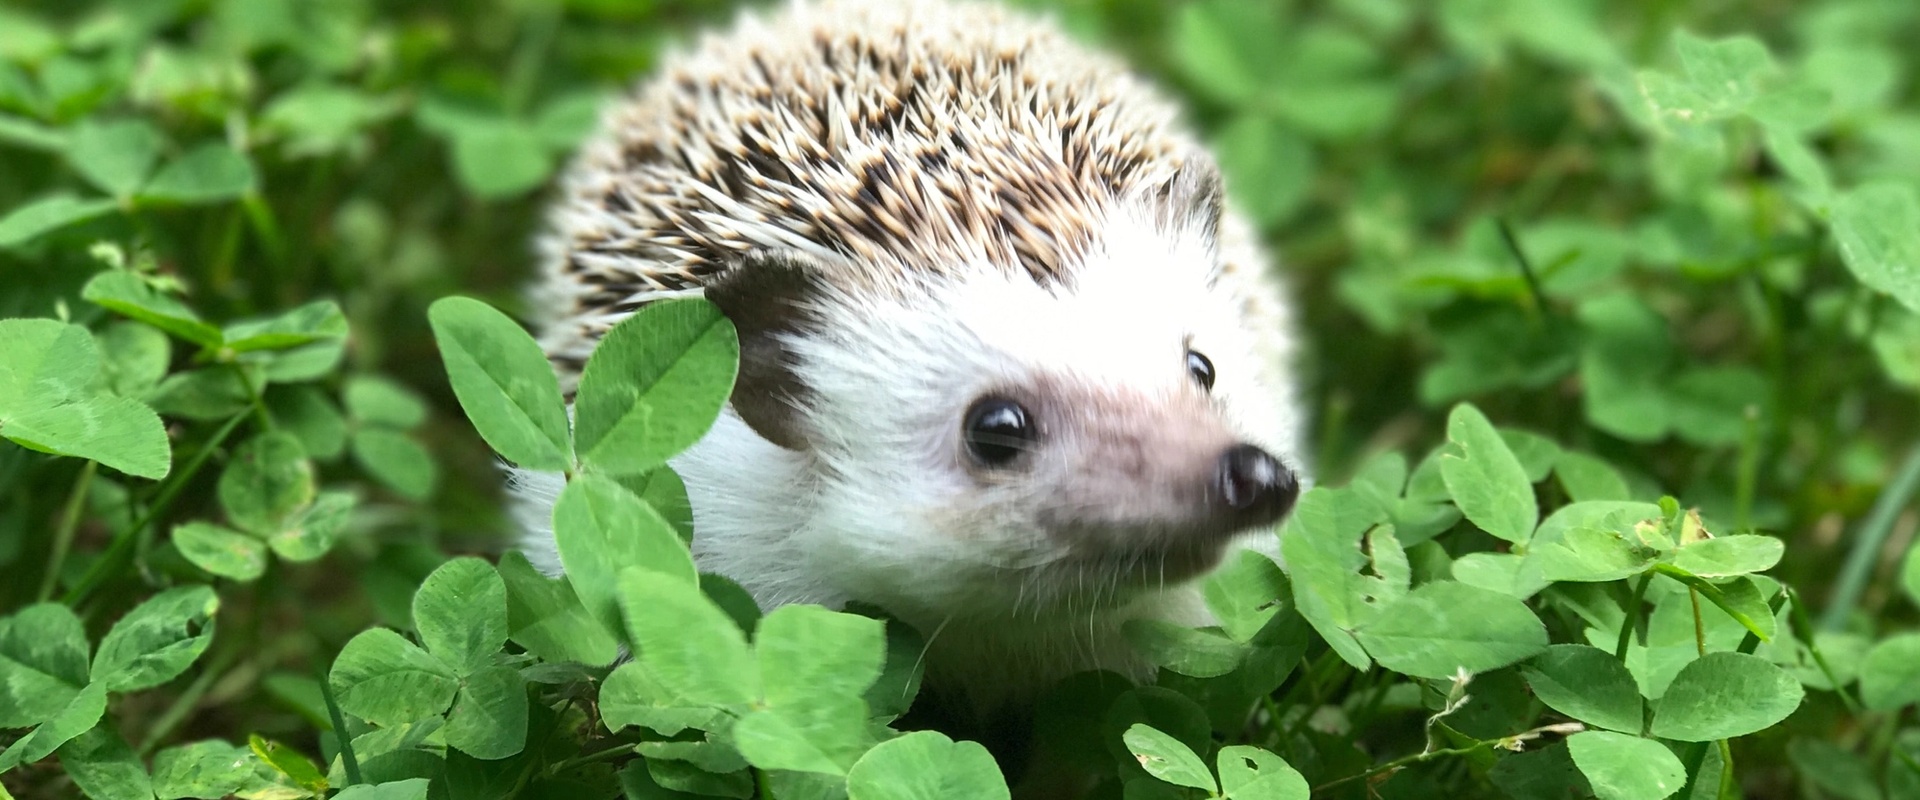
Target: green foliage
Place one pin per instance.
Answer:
(1485, 479)
(1619, 766)
(601, 528)
(1443, 628)
(1561, 267)
(1587, 684)
(52, 687)
(660, 383)
(925, 765)
(1724, 695)
(503, 382)
(48, 401)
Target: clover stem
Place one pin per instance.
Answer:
(1377, 696)
(1802, 627)
(348, 762)
(1526, 267)
(1309, 680)
(109, 561)
(1405, 761)
(1632, 616)
(1726, 769)
(1691, 763)
(1699, 625)
(185, 703)
(1273, 716)
(1748, 471)
(597, 755)
(1869, 541)
(227, 250)
(255, 397)
(1332, 422)
(540, 764)
(1901, 753)
(63, 535)
(265, 226)
(523, 68)
(1751, 641)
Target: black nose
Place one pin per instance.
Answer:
(1255, 483)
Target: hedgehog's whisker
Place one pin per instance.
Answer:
(919, 664)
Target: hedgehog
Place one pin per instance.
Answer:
(1012, 369)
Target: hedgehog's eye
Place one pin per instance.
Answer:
(997, 431)
(1201, 369)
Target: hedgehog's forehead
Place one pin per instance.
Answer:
(1122, 314)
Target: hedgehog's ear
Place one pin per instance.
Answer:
(1194, 198)
(766, 298)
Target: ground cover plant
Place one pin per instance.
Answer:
(1614, 325)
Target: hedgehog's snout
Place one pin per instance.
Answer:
(1255, 486)
(1159, 477)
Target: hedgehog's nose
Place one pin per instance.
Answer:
(1255, 484)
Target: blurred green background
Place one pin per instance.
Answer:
(1678, 235)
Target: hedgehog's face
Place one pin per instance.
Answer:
(985, 442)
